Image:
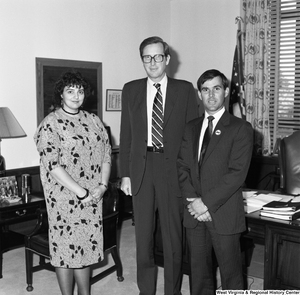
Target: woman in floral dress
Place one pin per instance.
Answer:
(75, 167)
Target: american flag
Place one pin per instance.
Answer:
(237, 98)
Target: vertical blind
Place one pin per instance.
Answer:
(284, 68)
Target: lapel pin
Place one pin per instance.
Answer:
(218, 132)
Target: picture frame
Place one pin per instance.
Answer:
(8, 186)
(113, 100)
(48, 70)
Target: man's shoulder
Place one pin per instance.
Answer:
(196, 120)
(179, 81)
(193, 122)
(239, 123)
(234, 119)
(135, 83)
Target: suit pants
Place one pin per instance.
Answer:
(153, 195)
(202, 240)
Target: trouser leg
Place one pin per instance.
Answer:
(228, 253)
(144, 213)
(200, 249)
(170, 218)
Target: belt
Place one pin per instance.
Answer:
(155, 149)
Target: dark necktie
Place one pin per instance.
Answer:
(157, 119)
(206, 138)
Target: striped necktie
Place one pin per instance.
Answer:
(206, 138)
(157, 119)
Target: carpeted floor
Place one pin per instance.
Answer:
(45, 283)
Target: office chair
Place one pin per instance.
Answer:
(289, 164)
(37, 242)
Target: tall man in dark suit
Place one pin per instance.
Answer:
(212, 192)
(149, 146)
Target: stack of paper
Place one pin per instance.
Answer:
(256, 201)
(281, 210)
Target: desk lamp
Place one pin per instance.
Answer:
(9, 128)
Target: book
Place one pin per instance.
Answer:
(282, 206)
(281, 212)
(286, 216)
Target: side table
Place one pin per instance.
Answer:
(16, 213)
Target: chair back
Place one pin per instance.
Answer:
(289, 164)
(110, 215)
(110, 201)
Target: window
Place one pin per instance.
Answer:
(284, 71)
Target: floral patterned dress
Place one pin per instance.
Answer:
(80, 145)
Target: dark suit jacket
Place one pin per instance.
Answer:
(180, 107)
(223, 171)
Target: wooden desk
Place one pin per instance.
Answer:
(15, 213)
(282, 250)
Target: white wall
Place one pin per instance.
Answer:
(201, 34)
(204, 35)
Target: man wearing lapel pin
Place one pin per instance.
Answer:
(212, 189)
(155, 111)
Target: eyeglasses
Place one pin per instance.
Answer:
(157, 58)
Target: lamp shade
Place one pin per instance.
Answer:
(9, 126)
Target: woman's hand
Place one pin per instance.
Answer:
(97, 193)
(88, 201)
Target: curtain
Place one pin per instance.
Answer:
(256, 16)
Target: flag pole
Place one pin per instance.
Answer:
(239, 19)
(237, 99)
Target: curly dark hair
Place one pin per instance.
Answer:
(71, 78)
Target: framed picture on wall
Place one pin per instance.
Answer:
(113, 100)
(48, 71)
